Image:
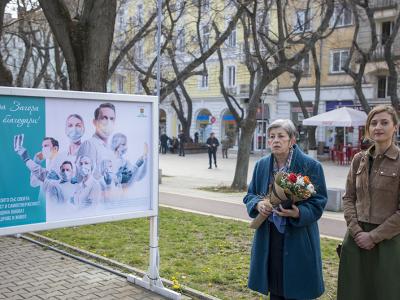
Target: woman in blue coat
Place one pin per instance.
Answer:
(286, 257)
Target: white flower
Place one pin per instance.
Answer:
(311, 188)
(300, 181)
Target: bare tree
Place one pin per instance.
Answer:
(271, 54)
(358, 54)
(179, 63)
(27, 42)
(85, 39)
(193, 60)
(391, 62)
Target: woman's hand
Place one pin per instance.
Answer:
(364, 241)
(294, 212)
(264, 208)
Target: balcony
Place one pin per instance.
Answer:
(383, 4)
(379, 53)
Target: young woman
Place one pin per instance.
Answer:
(370, 257)
(286, 260)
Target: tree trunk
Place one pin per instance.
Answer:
(312, 142)
(61, 79)
(243, 156)
(85, 40)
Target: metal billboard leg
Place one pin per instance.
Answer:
(152, 280)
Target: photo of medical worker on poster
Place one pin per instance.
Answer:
(93, 159)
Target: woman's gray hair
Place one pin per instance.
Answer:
(285, 124)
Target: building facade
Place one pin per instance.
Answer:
(210, 112)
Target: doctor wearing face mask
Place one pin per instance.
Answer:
(88, 192)
(96, 148)
(74, 129)
(59, 193)
(126, 172)
(49, 153)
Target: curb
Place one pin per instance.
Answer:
(97, 260)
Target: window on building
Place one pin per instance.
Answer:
(180, 41)
(139, 14)
(231, 76)
(386, 30)
(162, 39)
(232, 38)
(302, 20)
(139, 50)
(263, 22)
(204, 81)
(206, 37)
(382, 87)
(338, 60)
(343, 16)
(304, 64)
(120, 84)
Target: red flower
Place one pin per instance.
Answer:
(292, 177)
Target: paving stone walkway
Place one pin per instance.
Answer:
(29, 271)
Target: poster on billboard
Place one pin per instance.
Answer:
(73, 158)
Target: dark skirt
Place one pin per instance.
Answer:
(275, 261)
(369, 274)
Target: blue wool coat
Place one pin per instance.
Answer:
(302, 265)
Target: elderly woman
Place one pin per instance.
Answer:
(370, 261)
(285, 257)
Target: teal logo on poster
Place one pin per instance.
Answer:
(20, 203)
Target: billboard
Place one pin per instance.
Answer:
(73, 158)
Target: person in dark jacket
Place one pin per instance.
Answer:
(164, 143)
(182, 141)
(196, 137)
(212, 144)
(286, 257)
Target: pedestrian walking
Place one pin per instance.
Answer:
(196, 137)
(212, 144)
(286, 256)
(182, 141)
(225, 146)
(164, 142)
(369, 259)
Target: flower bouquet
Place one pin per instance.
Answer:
(287, 189)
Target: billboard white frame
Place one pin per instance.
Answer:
(90, 96)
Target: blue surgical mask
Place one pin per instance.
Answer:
(85, 170)
(74, 133)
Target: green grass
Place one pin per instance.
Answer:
(206, 253)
